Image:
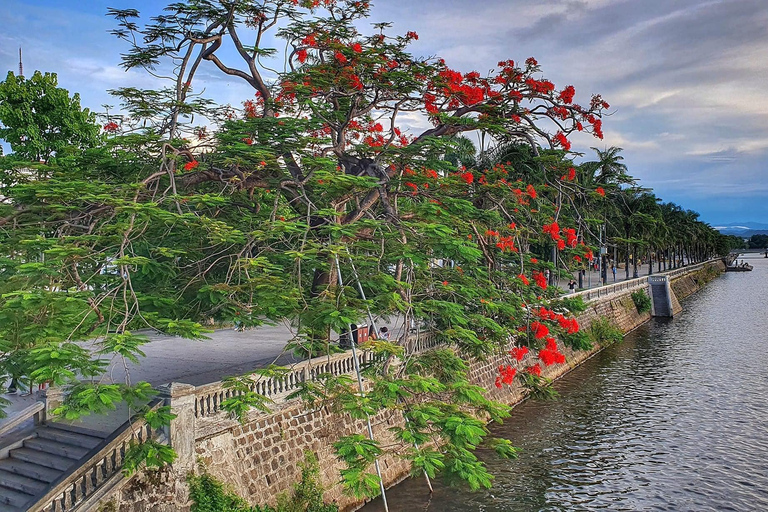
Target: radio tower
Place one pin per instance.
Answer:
(21, 66)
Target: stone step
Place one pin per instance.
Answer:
(77, 429)
(14, 498)
(31, 470)
(43, 459)
(65, 436)
(22, 483)
(56, 448)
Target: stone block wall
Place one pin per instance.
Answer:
(260, 459)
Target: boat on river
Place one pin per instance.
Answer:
(744, 267)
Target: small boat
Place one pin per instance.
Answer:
(744, 267)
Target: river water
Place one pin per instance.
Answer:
(674, 418)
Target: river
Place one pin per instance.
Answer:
(674, 418)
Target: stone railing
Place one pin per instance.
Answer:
(209, 397)
(640, 282)
(101, 466)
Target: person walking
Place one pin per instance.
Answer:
(572, 286)
(613, 269)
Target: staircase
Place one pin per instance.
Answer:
(30, 470)
(661, 299)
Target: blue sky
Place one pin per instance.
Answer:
(687, 80)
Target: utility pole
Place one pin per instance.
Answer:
(21, 66)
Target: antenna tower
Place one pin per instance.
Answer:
(21, 66)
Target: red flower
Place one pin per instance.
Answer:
(577, 258)
(468, 177)
(567, 94)
(534, 370)
(561, 244)
(600, 191)
(412, 35)
(531, 191)
(534, 260)
(301, 55)
(413, 186)
(540, 279)
(340, 58)
(309, 40)
(445, 283)
(571, 174)
(357, 48)
(539, 330)
(524, 279)
(498, 382)
(111, 127)
(519, 352)
(431, 174)
(530, 61)
(563, 141)
(191, 165)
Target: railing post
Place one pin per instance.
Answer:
(181, 432)
(53, 398)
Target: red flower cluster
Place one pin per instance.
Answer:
(413, 186)
(534, 370)
(468, 177)
(551, 354)
(524, 279)
(563, 141)
(412, 35)
(340, 58)
(507, 243)
(507, 375)
(571, 325)
(111, 127)
(552, 230)
(600, 191)
(519, 353)
(567, 94)
(570, 235)
(531, 191)
(431, 174)
(357, 48)
(191, 165)
(540, 279)
(539, 330)
(301, 55)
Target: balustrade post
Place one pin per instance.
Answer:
(181, 432)
(53, 398)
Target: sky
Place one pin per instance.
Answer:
(687, 80)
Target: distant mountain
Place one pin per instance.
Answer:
(745, 229)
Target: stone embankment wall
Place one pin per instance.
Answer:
(260, 459)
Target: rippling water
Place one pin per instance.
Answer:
(674, 418)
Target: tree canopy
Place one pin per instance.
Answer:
(254, 213)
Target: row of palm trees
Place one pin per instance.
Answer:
(631, 223)
(639, 225)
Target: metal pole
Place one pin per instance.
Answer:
(370, 317)
(362, 392)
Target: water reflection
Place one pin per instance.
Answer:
(672, 419)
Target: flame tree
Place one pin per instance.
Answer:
(251, 215)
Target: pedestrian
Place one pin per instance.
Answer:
(384, 333)
(613, 269)
(572, 286)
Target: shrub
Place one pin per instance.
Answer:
(210, 495)
(642, 301)
(605, 332)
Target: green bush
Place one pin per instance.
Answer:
(210, 495)
(642, 301)
(605, 332)
(578, 341)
